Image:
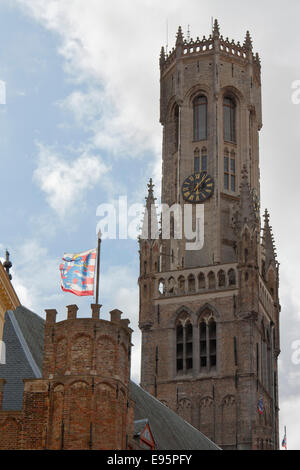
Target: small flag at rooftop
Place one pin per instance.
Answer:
(261, 406)
(78, 272)
(284, 441)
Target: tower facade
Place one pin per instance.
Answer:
(209, 315)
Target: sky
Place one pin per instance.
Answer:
(80, 127)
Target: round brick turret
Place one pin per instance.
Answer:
(87, 364)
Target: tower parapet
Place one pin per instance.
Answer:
(210, 45)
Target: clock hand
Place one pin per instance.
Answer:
(197, 186)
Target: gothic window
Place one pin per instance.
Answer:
(229, 108)
(221, 279)
(161, 287)
(200, 118)
(181, 285)
(204, 159)
(232, 277)
(229, 171)
(184, 347)
(201, 281)
(176, 122)
(203, 345)
(200, 162)
(197, 161)
(171, 285)
(211, 280)
(212, 332)
(208, 344)
(191, 283)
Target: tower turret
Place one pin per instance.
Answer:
(83, 397)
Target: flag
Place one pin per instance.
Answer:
(261, 406)
(284, 442)
(78, 272)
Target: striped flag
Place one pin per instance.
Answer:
(284, 442)
(78, 272)
(261, 406)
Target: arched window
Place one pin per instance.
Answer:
(200, 118)
(200, 163)
(208, 344)
(201, 281)
(161, 287)
(197, 161)
(176, 126)
(229, 171)
(211, 280)
(229, 114)
(181, 285)
(184, 347)
(221, 279)
(191, 283)
(231, 277)
(204, 159)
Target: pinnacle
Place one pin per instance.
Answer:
(179, 37)
(248, 42)
(216, 29)
(162, 54)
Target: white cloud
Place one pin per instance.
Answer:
(66, 182)
(119, 289)
(290, 417)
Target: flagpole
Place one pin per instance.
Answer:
(285, 437)
(98, 267)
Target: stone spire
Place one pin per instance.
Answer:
(216, 30)
(162, 58)
(179, 37)
(7, 264)
(246, 213)
(150, 222)
(268, 240)
(248, 42)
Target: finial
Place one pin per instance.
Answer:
(188, 35)
(244, 172)
(150, 189)
(248, 42)
(179, 37)
(216, 30)
(7, 265)
(267, 217)
(162, 58)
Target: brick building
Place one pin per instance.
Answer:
(66, 385)
(210, 317)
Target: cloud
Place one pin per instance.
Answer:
(290, 417)
(65, 183)
(123, 294)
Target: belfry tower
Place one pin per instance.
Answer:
(210, 317)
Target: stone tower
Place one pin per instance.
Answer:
(210, 317)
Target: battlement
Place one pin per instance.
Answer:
(115, 315)
(87, 346)
(214, 43)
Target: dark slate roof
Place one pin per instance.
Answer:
(139, 426)
(169, 430)
(32, 327)
(23, 337)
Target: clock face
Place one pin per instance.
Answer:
(198, 188)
